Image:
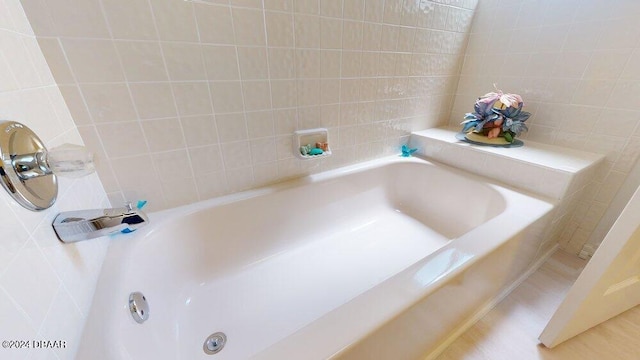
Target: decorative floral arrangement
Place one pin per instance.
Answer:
(497, 115)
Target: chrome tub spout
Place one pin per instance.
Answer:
(72, 226)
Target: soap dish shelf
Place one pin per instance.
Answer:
(310, 136)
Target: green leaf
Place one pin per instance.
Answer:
(508, 137)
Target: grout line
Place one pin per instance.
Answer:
(173, 95)
(135, 106)
(244, 107)
(213, 107)
(296, 167)
(270, 110)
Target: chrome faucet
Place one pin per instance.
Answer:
(72, 226)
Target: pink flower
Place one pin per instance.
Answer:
(489, 98)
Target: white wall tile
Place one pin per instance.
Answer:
(247, 3)
(352, 35)
(206, 159)
(200, 130)
(56, 60)
(78, 19)
(625, 95)
(192, 98)
(593, 91)
(221, 62)
(19, 60)
(286, 121)
(583, 35)
(235, 155)
(331, 8)
(281, 63)
(283, 5)
(257, 95)
(92, 141)
(212, 184)
(16, 236)
(39, 17)
(632, 69)
(372, 35)
(307, 31)
(8, 81)
(572, 64)
(279, 29)
(263, 150)
(174, 20)
(283, 93)
(260, 124)
(180, 192)
(163, 134)
(62, 318)
(307, 63)
(248, 26)
(253, 63)
(153, 100)
(142, 61)
(122, 138)
(171, 165)
(93, 60)
(330, 33)
(406, 37)
(621, 33)
(108, 102)
(20, 326)
(306, 6)
(607, 64)
(240, 179)
(215, 24)
(231, 127)
(183, 61)
(226, 96)
(130, 19)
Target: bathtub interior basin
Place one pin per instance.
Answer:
(264, 265)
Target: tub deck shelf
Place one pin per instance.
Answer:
(549, 171)
(433, 142)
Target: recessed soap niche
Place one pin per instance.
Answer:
(312, 137)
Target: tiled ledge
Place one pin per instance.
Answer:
(551, 171)
(546, 170)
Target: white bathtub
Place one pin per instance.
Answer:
(383, 260)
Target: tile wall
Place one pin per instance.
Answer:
(188, 100)
(45, 287)
(577, 65)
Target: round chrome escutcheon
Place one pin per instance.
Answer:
(214, 343)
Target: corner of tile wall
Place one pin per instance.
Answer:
(577, 66)
(46, 287)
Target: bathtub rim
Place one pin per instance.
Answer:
(185, 210)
